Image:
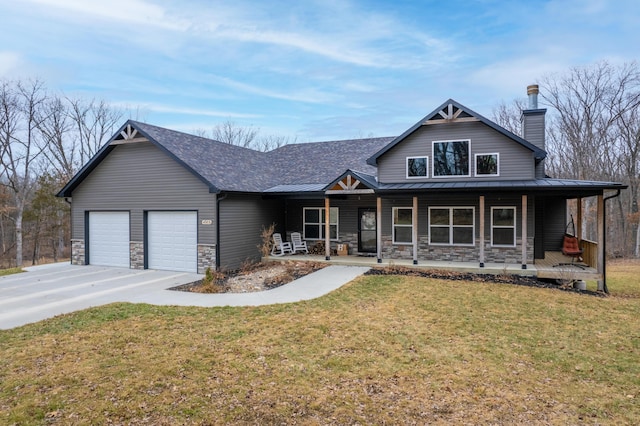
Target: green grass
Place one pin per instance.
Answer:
(10, 271)
(384, 349)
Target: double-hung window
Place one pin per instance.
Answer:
(503, 226)
(314, 219)
(402, 225)
(451, 158)
(451, 226)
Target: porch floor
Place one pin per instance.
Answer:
(543, 268)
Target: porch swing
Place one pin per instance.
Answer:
(571, 247)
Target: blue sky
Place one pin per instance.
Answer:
(317, 70)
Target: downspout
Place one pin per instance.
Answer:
(604, 240)
(218, 199)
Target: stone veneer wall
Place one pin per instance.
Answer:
(77, 252)
(136, 254)
(206, 257)
(512, 255)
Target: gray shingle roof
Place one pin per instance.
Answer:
(303, 167)
(226, 167)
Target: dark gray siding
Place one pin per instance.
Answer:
(554, 211)
(242, 217)
(516, 161)
(348, 212)
(533, 130)
(348, 220)
(140, 177)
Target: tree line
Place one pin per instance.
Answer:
(593, 133)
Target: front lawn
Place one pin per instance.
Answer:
(383, 349)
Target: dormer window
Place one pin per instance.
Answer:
(487, 164)
(417, 167)
(451, 158)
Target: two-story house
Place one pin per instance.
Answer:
(455, 186)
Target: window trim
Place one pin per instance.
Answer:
(433, 162)
(321, 224)
(393, 226)
(451, 225)
(426, 169)
(475, 163)
(515, 225)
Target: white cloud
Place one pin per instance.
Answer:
(306, 95)
(127, 11)
(160, 108)
(9, 63)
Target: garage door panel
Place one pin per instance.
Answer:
(109, 239)
(172, 240)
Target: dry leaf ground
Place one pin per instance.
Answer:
(381, 350)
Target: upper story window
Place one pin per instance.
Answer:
(451, 158)
(417, 167)
(314, 219)
(488, 164)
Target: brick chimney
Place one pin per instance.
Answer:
(533, 127)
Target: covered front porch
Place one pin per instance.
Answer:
(486, 228)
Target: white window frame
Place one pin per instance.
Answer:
(426, 168)
(321, 224)
(433, 159)
(475, 164)
(451, 226)
(515, 222)
(394, 225)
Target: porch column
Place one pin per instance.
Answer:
(414, 228)
(327, 229)
(524, 232)
(379, 228)
(601, 244)
(482, 231)
(579, 219)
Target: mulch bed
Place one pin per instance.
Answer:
(482, 278)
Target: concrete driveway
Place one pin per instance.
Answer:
(49, 290)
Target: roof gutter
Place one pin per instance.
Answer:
(604, 240)
(218, 199)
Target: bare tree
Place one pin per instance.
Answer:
(593, 133)
(58, 144)
(231, 133)
(244, 136)
(508, 115)
(94, 122)
(20, 149)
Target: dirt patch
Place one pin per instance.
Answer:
(257, 277)
(473, 277)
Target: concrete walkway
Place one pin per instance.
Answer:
(49, 290)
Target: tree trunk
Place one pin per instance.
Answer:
(19, 237)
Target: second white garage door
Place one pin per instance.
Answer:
(172, 241)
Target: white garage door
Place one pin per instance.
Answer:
(109, 238)
(172, 241)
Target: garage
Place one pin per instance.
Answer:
(109, 238)
(172, 240)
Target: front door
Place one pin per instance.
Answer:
(367, 231)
